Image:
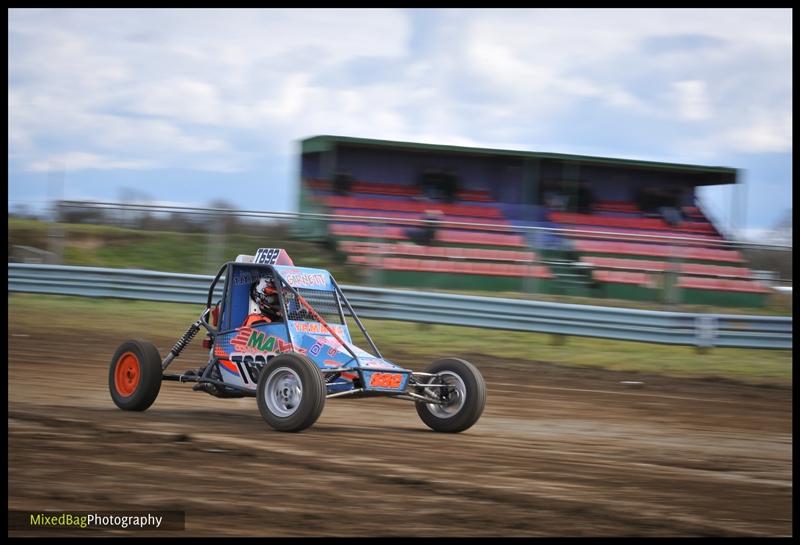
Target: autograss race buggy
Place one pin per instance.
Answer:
(280, 334)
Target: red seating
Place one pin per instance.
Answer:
(367, 187)
(618, 233)
(628, 264)
(366, 231)
(319, 185)
(715, 270)
(354, 259)
(702, 283)
(398, 190)
(485, 239)
(449, 236)
(384, 189)
(615, 206)
(709, 254)
(454, 267)
(341, 214)
(632, 222)
(462, 248)
(691, 209)
(657, 250)
(354, 247)
(661, 266)
(413, 206)
(477, 195)
(618, 277)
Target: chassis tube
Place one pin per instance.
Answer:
(355, 317)
(410, 396)
(349, 392)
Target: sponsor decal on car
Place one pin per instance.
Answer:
(252, 341)
(229, 367)
(317, 328)
(303, 279)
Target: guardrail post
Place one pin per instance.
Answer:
(705, 326)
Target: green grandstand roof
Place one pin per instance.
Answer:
(717, 174)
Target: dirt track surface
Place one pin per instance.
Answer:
(558, 452)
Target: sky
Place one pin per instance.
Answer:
(188, 106)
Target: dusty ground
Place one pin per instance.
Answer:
(557, 452)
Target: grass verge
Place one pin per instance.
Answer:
(408, 341)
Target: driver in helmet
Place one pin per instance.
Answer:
(265, 306)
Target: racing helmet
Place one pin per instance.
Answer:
(264, 294)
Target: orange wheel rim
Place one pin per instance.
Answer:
(127, 373)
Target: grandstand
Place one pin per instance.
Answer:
(456, 217)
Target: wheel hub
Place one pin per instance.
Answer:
(452, 397)
(283, 392)
(127, 374)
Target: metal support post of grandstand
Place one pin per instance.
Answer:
(55, 235)
(531, 282)
(375, 275)
(571, 173)
(733, 224)
(671, 274)
(741, 209)
(531, 178)
(309, 228)
(216, 241)
(328, 163)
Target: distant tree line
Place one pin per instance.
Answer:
(169, 221)
(24, 212)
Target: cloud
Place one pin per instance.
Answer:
(712, 64)
(180, 90)
(692, 100)
(85, 161)
(769, 133)
(232, 90)
(222, 72)
(676, 43)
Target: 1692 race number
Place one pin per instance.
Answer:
(386, 380)
(266, 256)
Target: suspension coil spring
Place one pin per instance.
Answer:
(185, 339)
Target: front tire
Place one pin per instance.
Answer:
(465, 395)
(134, 377)
(291, 392)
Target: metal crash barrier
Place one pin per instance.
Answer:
(681, 328)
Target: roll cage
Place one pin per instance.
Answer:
(281, 285)
(229, 390)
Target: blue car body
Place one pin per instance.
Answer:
(322, 333)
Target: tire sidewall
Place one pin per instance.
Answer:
(474, 402)
(150, 374)
(312, 401)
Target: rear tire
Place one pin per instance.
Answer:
(467, 396)
(134, 378)
(291, 392)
